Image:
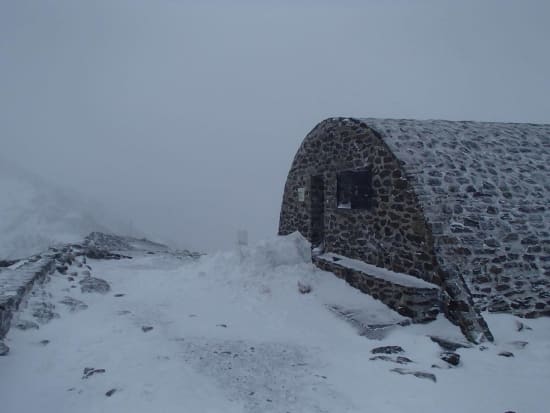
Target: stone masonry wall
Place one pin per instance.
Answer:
(15, 285)
(485, 192)
(392, 233)
(420, 304)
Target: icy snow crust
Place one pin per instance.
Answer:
(231, 333)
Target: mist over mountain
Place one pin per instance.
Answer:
(35, 214)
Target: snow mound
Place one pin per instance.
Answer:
(291, 249)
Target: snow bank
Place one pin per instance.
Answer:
(291, 249)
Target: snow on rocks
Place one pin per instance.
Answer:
(398, 359)
(387, 350)
(419, 374)
(73, 304)
(450, 344)
(26, 325)
(94, 285)
(451, 358)
(90, 371)
(43, 312)
(4, 349)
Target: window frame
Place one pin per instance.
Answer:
(354, 189)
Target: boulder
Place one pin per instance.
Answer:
(44, 312)
(90, 371)
(26, 325)
(398, 359)
(73, 304)
(419, 374)
(452, 358)
(449, 345)
(94, 285)
(387, 350)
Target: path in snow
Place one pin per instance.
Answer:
(231, 333)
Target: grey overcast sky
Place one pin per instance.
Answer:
(185, 116)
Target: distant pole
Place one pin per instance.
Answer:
(242, 241)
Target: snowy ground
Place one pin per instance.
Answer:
(231, 333)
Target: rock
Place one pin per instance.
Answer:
(387, 350)
(304, 288)
(450, 357)
(419, 374)
(145, 329)
(62, 269)
(110, 392)
(102, 254)
(448, 345)
(90, 371)
(519, 344)
(521, 326)
(398, 359)
(506, 354)
(26, 325)
(8, 263)
(74, 304)
(94, 285)
(4, 349)
(403, 360)
(97, 253)
(124, 312)
(44, 312)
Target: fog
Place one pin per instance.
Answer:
(184, 117)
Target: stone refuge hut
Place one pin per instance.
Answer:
(462, 207)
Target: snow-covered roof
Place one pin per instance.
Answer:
(484, 188)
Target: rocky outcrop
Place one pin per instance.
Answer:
(16, 283)
(94, 285)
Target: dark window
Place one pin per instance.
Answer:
(354, 190)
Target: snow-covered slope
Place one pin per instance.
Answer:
(35, 215)
(231, 332)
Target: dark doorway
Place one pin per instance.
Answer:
(317, 210)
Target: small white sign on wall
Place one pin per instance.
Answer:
(301, 194)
